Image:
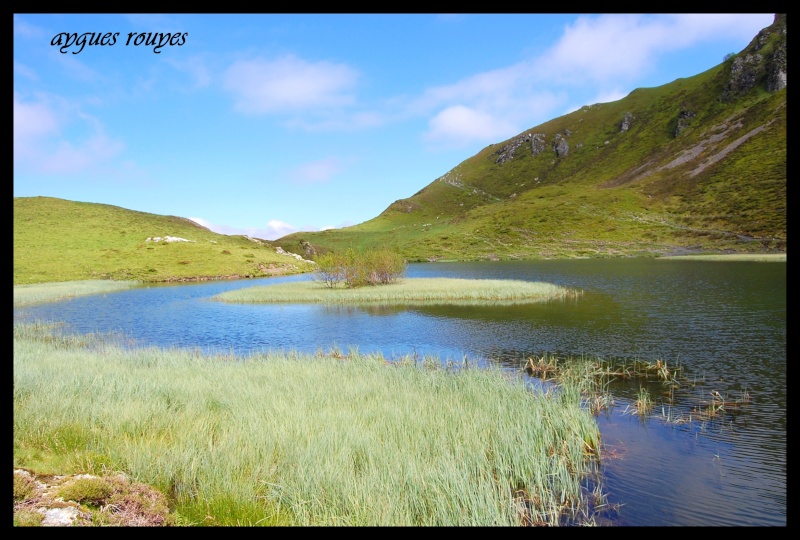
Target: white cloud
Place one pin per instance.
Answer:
(457, 125)
(289, 84)
(40, 142)
(596, 50)
(598, 54)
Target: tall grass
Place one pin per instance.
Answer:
(297, 439)
(49, 292)
(758, 257)
(408, 291)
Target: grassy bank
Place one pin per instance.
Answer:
(408, 291)
(58, 240)
(758, 257)
(295, 439)
(50, 292)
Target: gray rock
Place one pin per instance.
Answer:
(626, 122)
(560, 145)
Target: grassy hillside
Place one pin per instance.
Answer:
(695, 165)
(57, 240)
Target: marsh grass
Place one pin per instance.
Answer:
(757, 257)
(303, 439)
(661, 387)
(408, 291)
(50, 292)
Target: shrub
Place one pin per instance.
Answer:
(329, 270)
(357, 269)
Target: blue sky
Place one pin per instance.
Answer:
(268, 124)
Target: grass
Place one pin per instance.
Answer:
(49, 292)
(57, 240)
(408, 291)
(757, 257)
(295, 439)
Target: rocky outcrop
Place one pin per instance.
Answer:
(506, 153)
(308, 249)
(560, 145)
(745, 72)
(537, 144)
(626, 122)
(683, 121)
(776, 76)
(762, 62)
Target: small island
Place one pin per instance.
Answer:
(407, 291)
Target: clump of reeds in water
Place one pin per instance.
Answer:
(595, 376)
(643, 404)
(717, 405)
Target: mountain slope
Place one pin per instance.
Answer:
(698, 164)
(58, 240)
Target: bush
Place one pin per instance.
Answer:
(357, 269)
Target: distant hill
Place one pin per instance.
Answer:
(59, 240)
(696, 165)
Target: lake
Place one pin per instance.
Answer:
(722, 322)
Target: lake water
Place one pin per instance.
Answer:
(723, 323)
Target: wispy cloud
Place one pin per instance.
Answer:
(42, 145)
(288, 84)
(26, 29)
(25, 71)
(601, 53)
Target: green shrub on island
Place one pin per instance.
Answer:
(357, 269)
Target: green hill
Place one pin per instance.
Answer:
(58, 240)
(696, 165)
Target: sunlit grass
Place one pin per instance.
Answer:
(49, 292)
(303, 439)
(758, 257)
(408, 291)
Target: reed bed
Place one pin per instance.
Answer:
(298, 439)
(409, 291)
(758, 257)
(50, 292)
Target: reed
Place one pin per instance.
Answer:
(304, 439)
(51, 292)
(410, 291)
(757, 257)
